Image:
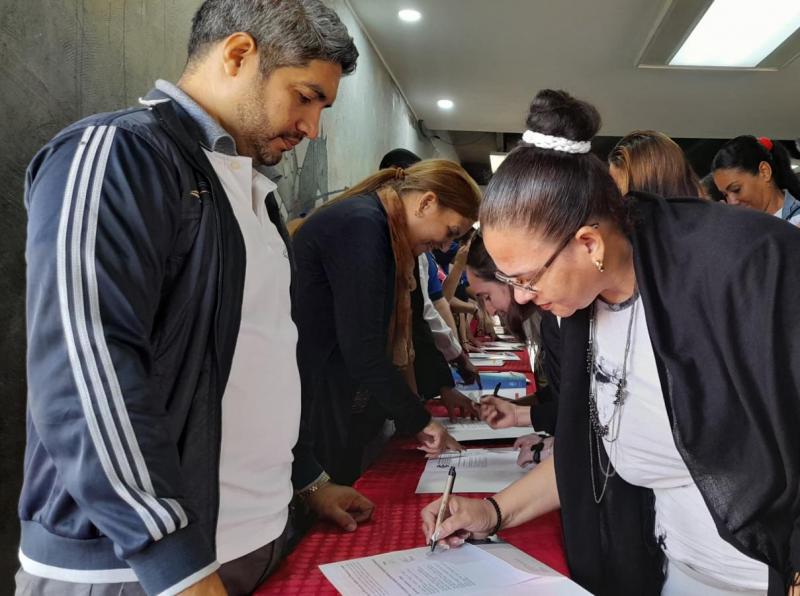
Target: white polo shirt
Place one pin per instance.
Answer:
(261, 404)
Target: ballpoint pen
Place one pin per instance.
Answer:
(448, 489)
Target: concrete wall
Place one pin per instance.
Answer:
(64, 59)
(370, 118)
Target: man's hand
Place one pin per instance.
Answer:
(465, 368)
(435, 439)
(454, 401)
(342, 505)
(210, 585)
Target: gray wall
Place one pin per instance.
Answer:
(65, 59)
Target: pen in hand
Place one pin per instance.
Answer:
(448, 489)
(497, 390)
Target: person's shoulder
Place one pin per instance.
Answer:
(136, 128)
(348, 219)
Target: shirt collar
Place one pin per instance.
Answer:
(215, 138)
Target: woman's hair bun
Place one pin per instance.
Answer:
(558, 114)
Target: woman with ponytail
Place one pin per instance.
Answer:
(757, 173)
(677, 452)
(352, 304)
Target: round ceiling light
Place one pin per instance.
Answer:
(409, 16)
(445, 104)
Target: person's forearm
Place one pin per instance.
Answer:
(450, 284)
(459, 306)
(444, 310)
(522, 415)
(529, 497)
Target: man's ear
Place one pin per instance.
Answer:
(236, 48)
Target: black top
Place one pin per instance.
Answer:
(430, 367)
(343, 301)
(544, 410)
(719, 286)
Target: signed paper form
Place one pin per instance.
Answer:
(479, 471)
(478, 430)
(467, 570)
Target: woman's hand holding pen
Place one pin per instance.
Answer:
(464, 518)
(435, 439)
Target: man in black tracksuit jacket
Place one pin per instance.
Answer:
(136, 268)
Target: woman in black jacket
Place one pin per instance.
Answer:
(352, 304)
(677, 451)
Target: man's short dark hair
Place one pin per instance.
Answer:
(399, 158)
(287, 32)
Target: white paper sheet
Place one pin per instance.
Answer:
(478, 430)
(500, 346)
(465, 571)
(492, 358)
(545, 581)
(478, 471)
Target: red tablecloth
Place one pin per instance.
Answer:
(390, 483)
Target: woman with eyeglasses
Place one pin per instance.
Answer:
(677, 462)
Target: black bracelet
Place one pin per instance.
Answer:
(499, 516)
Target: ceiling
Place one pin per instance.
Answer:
(491, 56)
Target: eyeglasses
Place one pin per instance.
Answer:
(528, 286)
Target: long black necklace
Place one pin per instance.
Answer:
(610, 431)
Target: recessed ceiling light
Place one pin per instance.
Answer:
(409, 16)
(445, 104)
(738, 33)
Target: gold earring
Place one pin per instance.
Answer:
(418, 213)
(599, 264)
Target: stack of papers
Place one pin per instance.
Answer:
(477, 430)
(499, 346)
(492, 358)
(466, 571)
(479, 471)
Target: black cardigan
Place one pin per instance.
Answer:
(343, 300)
(720, 287)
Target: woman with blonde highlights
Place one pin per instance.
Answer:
(355, 259)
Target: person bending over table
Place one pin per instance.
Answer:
(678, 454)
(528, 324)
(352, 304)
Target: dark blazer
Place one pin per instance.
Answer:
(343, 303)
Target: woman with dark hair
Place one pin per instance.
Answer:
(649, 161)
(352, 304)
(677, 449)
(757, 173)
(539, 331)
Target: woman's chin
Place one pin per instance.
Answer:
(561, 310)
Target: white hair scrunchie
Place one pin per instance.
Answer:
(556, 143)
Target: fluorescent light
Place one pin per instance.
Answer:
(739, 33)
(495, 159)
(409, 16)
(445, 104)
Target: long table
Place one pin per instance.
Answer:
(390, 483)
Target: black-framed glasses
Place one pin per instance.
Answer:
(528, 286)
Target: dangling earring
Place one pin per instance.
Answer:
(599, 264)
